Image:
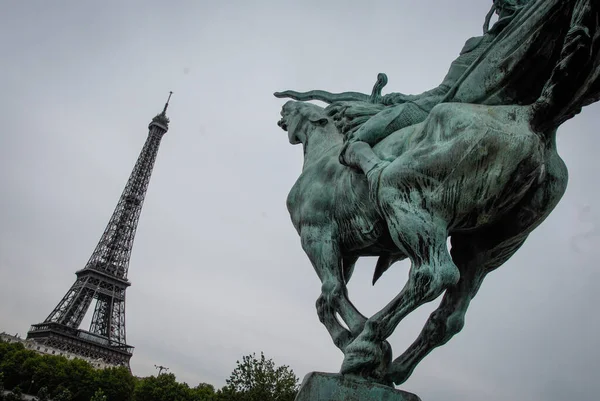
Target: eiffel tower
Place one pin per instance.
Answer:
(104, 277)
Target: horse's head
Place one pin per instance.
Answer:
(299, 119)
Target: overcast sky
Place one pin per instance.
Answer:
(217, 268)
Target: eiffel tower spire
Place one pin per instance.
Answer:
(104, 277)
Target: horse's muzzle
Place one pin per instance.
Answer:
(282, 124)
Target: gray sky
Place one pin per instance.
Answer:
(217, 269)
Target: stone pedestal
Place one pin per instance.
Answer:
(318, 386)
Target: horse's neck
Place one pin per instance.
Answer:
(318, 143)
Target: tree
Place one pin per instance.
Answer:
(80, 378)
(256, 379)
(117, 383)
(77, 380)
(43, 394)
(63, 395)
(13, 358)
(1, 386)
(98, 396)
(203, 392)
(228, 394)
(15, 395)
(161, 387)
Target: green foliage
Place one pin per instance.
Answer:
(98, 396)
(43, 394)
(75, 379)
(229, 394)
(1, 386)
(12, 363)
(203, 392)
(254, 379)
(117, 383)
(63, 395)
(15, 395)
(77, 376)
(258, 379)
(164, 387)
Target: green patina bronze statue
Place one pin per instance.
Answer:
(473, 160)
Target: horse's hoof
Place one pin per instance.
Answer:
(361, 359)
(368, 359)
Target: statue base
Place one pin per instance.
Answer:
(318, 386)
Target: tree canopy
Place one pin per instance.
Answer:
(259, 379)
(57, 378)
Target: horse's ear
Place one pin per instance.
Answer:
(320, 121)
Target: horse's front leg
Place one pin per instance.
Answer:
(475, 256)
(321, 246)
(422, 237)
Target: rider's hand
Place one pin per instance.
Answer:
(393, 98)
(337, 112)
(349, 116)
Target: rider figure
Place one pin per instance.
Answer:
(405, 110)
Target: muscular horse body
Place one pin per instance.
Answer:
(467, 172)
(484, 176)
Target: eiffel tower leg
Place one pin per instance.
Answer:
(72, 308)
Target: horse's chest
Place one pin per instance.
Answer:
(310, 200)
(335, 197)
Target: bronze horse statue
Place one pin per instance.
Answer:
(483, 175)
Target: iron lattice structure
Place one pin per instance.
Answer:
(104, 277)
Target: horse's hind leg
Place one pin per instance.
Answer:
(321, 247)
(422, 237)
(475, 261)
